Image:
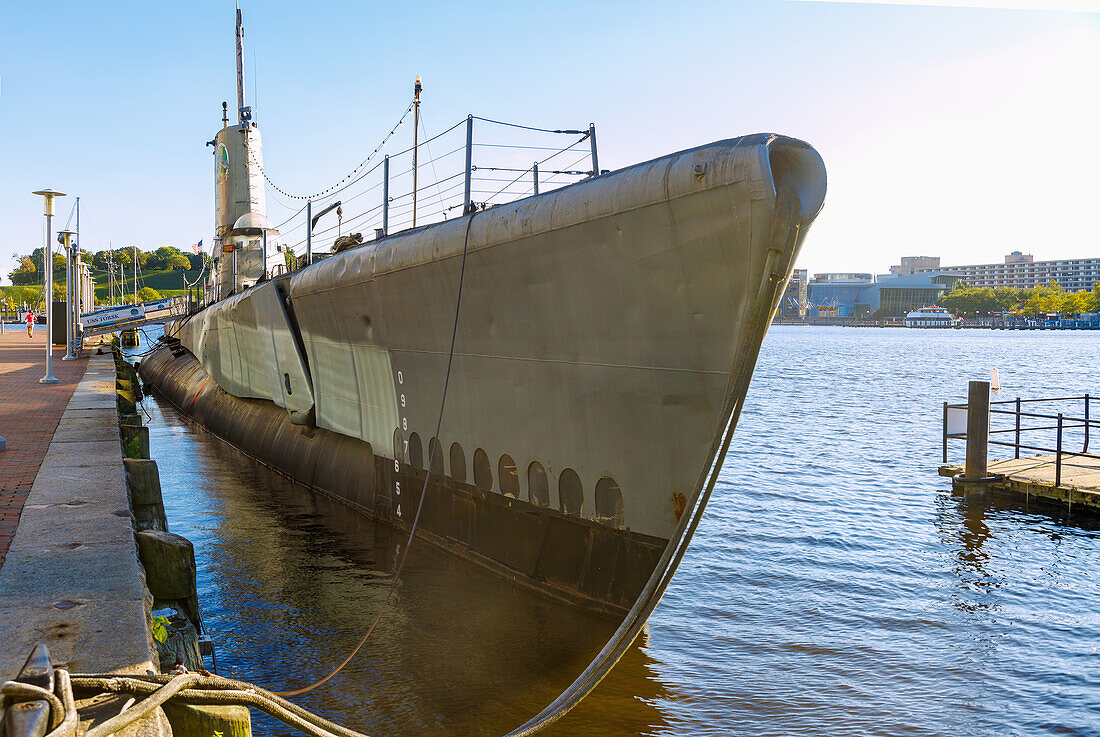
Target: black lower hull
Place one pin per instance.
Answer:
(574, 560)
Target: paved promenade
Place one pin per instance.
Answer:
(29, 413)
(72, 579)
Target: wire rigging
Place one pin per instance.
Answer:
(350, 175)
(445, 189)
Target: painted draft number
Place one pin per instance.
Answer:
(396, 462)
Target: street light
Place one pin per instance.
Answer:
(65, 238)
(48, 196)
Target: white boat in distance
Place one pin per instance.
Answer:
(931, 317)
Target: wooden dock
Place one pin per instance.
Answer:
(1034, 476)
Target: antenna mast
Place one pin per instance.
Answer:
(416, 132)
(242, 117)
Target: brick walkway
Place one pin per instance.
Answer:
(29, 413)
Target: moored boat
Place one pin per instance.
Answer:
(550, 381)
(931, 317)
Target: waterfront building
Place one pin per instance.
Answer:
(899, 295)
(840, 294)
(861, 295)
(1019, 271)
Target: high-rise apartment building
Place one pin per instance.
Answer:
(914, 264)
(1020, 271)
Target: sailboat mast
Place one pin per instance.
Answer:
(240, 68)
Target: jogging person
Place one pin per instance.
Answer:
(30, 324)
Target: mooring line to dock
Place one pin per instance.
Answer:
(423, 491)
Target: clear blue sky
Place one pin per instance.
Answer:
(953, 131)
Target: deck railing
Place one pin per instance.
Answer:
(1058, 433)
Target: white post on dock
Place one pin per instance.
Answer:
(48, 196)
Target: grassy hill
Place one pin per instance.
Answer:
(168, 283)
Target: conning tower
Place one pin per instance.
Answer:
(240, 204)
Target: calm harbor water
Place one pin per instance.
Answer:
(834, 587)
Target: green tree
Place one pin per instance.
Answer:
(1073, 303)
(26, 272)
(1092, 302)
(16, 296)
(148, 294)
(1045, 299)
(1007, 298)
(158, 259)
(198, 260)
(177, 261)
(962, 300)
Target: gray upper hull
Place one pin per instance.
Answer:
(599, 331)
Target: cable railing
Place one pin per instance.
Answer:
(1051, 433)
(480, 163)
(483, 163)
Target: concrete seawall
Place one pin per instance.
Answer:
(71, 578)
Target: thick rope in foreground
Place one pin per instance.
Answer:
(154, 691)
(209, 689)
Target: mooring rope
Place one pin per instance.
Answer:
(423, 491)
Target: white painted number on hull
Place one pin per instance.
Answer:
(396, 462)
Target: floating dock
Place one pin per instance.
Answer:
(1034, 476)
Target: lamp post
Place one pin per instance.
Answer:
(48, 196)
(65, 237)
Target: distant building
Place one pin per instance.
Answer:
(795, 298)
(840, 294)
(899, 295)
(860, 295)
(1020, 271)
(914, 264)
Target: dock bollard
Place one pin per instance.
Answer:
(975, 475)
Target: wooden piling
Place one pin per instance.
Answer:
(135, 433)
(169, 562)
(977, 431)
(200, 720)
(146, 500)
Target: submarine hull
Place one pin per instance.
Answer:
(581, 352)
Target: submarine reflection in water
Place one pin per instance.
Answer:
(289, 580)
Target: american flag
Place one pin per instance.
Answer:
(197, 247)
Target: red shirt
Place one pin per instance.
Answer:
(30, 318)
